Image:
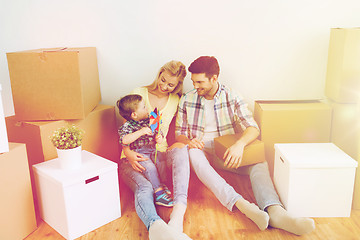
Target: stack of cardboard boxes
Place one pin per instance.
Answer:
(52, 88)
(335, 119)
(292, 122)
(343, 91)
(17, 219)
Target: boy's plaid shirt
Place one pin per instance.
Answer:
(133, 126)
(229, 109)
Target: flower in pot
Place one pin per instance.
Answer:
(67, 141)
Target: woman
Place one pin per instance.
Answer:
(163, 94)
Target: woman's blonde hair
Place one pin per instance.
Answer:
(174, 68)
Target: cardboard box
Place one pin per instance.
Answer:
(292, 122)
(17, 218)
(345, 133)
(78, 201)
(343, 68)
(314, 179)
(100, 137)
(253, 153)
(4, 144)
(52, 84)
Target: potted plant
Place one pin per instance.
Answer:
(67, 141)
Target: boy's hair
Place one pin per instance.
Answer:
(128, 104)
(205, 64)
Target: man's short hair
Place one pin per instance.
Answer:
(205, 64)
(128, 104)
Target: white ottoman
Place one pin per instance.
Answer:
(75, 202)
(314, 179)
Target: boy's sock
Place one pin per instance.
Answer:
(159, 230)
(280, 218)
(177, 217)
(259, 217)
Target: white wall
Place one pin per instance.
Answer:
(267, 49)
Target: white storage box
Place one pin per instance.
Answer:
(4, 143)
(314, 179)
(75, 202)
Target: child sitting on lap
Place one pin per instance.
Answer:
(135, 132)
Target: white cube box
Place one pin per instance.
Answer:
(75, 202)
(314, 179)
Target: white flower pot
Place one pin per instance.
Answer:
(69, 159)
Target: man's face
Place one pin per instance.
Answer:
(205, 87)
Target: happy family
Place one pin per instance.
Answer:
(208, 111)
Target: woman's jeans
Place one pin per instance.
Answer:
(176, 161)
(261, 183)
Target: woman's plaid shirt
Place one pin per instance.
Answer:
(229, 107)
(133, 126)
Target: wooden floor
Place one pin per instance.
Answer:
(206, 218)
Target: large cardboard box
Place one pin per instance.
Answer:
(17, 218)
(52, 84)
(4, 144)
(100, 137)
(343, 69)
(78, 201)
(292, 122)
(253, 152)
(314, 179)
(345, 133)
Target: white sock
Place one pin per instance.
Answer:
(280, 218)
(159, 230)
(177, 217)
(259, 217)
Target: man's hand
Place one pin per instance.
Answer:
(134, 158)
(233, 155)
(196, 143)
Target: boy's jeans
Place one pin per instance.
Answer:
(150, 172)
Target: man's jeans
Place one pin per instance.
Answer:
(176, 161)
(261, 183)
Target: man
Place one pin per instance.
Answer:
(209, 111)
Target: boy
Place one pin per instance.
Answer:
(135, 132)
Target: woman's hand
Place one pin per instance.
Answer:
(134, 158)
(159, 138)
